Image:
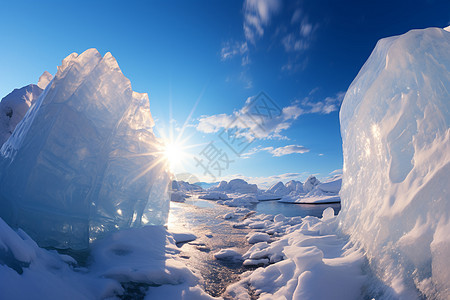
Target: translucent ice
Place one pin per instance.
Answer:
(84, 159)
(395, 124)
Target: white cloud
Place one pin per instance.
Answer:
(277, 152)
(328, 105)
(263, 119)
(259, 118)
(257, 14)
(289, 149)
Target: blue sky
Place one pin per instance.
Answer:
(204, 62)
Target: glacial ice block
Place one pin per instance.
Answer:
(395, 126)
(84, 159)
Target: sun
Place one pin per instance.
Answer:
(173, 152)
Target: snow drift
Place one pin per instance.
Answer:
(396, 143)
(83, 161)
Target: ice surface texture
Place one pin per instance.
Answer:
(84, 159)
(396, 143)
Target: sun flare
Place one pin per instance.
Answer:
(173, 153)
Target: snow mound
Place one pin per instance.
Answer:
(228, 254)
(395, 126)
(82, 161)
(307, 260)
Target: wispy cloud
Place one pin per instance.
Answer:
(277, 152)
(338, 171)
(301, 36)
(328, 105)
(231, 49)
(257, 15)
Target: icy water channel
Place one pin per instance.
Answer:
(204, 218)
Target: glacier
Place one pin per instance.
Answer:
(396, 143)
(84, 160)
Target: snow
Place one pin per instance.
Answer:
(395, 128)
(183, 237)
(229, 215)
(257, 237)
(82, 161)
(302, 258)
(146, 256)
(228, 254)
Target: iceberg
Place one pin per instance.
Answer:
(395, 126)
(84, 160)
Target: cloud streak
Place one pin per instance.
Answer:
(277, 152)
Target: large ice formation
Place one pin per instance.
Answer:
(395, 124)
(84, 159)
(236, 186)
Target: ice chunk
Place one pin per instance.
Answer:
(278, 189)
(44, 80)
(310, 183)
(13, 108)
(395, 124)
(84, 159)
(236, 186)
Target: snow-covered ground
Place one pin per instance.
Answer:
(301, 258)
(147, 257)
